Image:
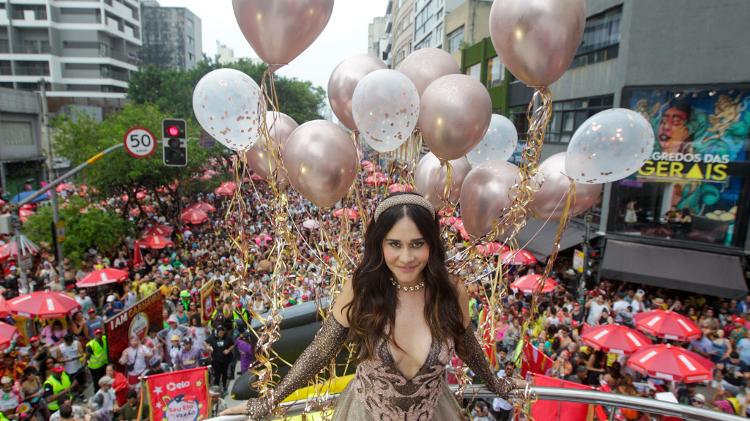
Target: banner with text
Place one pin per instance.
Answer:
(207, 301)
(133, 321)
(179, 395)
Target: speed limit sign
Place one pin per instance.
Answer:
(139, 142)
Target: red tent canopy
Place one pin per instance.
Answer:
(671, 363)
(350, 213)
(10, 249)
(163, 230)
(518, 258)
(43, 305)
(205, 207)
(7, 334)
(615, 338)
(155, 242)
(226, 188)
(4, 310)
(532, 283)
(25, 214)
(102, 277)
(668, 325)
(194, 216)
(65, 187)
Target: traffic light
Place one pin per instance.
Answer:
(174, 135)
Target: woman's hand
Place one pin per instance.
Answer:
(254, 409)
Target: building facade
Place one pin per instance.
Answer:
(400, 31)
(466, 23)
(429, 16)
(171, 37)
(683, 220)
(21, 152)
(377, 38)
(224, 54)
(81, 48)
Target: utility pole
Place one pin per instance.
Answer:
(50, 177)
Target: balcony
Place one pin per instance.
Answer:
(33, 48)
(22, 70)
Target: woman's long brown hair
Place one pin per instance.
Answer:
(372, 311)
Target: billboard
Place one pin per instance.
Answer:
(134, 320)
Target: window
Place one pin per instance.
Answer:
(425, 43)
(567, 116)
(423, 21)
(601, 38)
(438, 35)
(455, 39)
(495, 72)
(475, 71)
(16, 133)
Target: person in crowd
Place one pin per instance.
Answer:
(189, 356)
(70, 354)
(79, 327)
(54, 333)
(97, 356)
(104, 404)
(129, 411)
(220, 345)
(134, 359)
(58, 388)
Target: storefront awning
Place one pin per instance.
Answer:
(674, 268)
(538, 237)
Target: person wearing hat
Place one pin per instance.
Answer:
(9, 398)
(103, 402)
(94, 320)
(97, 355)
(221, 346)
(174, 349)
(173, 329)
(189, 356)
(58, 388)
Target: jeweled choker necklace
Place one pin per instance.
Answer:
(412, 288)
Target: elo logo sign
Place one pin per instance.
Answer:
(177, 386)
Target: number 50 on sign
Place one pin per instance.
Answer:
(139, 142)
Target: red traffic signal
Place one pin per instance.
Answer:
(173, 127)
(173, 131)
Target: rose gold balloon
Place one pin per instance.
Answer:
(549, 201)
(485, 193)
(427, 65)
(344, 79)
(429, 179)
(455, 112)
(280, 126)
(279, 31)
(537, 39)
(321, 162)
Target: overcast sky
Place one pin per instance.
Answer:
(345, 35)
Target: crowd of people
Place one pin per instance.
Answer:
(63, 371)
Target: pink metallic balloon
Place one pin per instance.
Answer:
(537, 39)
(455, 112)
(486, 192)
(549, 201)
(280, 30)
(321, 162)
(430, 177)
(427, 65)
(280, 126)
(344, 79)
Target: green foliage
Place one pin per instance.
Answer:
(118, 173)
(172, 90)
(85, 227)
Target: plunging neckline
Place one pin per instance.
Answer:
(421, 368)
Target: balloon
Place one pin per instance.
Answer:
(486, 191)
(429, 179)
(498, 143)
(280, 126)
(549, 200)
(385, 106)
(609, 146)
(344, 79)
(426, 65)
(227, 105)
(279, 31)
(321, 161)
(455, 113)
(537, 39)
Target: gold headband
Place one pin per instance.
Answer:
(403, 199)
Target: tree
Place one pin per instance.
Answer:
(117, 173)
(86, 226)
(172, 90)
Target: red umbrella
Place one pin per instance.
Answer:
(671, 363)
(668, 325)
(7, 334)
(102, 277)
(488, 249)
(163, 230)
(615, 338)
(518, 258)
(156, 242)
(205, 207)
(25, 214)
(532, 283)
(43, 305)
(194, 216)
(140, 195)
(65, 187)
(226, 189)
(4, 310)
(399, 187)
(10, 249)
(348, 212)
